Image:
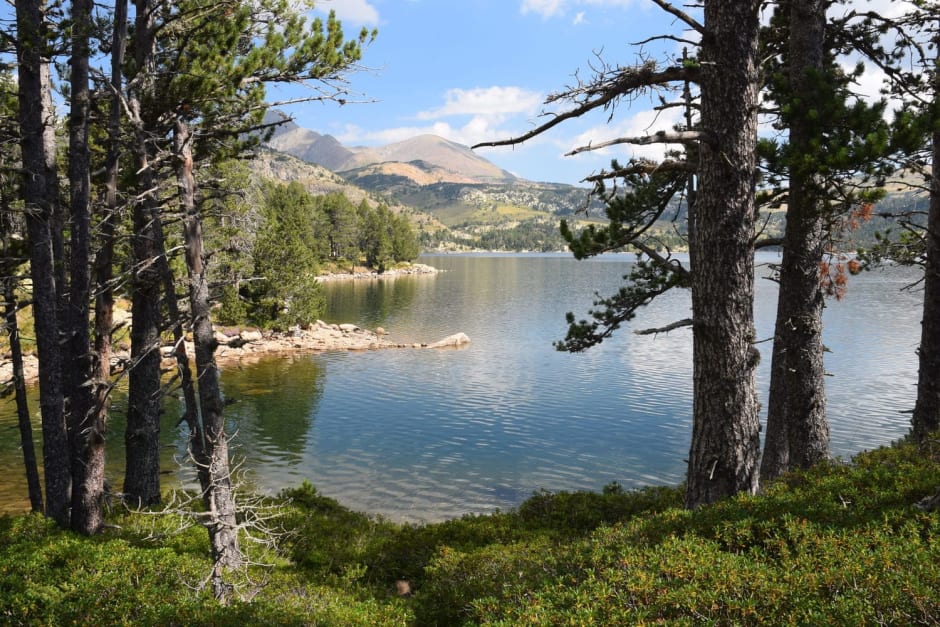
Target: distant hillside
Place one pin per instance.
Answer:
(435, 176)
(485, 206)
(446, 160)
(277, 166)
(310, 146)
(453, 162)
(456, 202)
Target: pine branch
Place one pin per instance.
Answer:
(642, 167)
(682, 15)
(602, 93)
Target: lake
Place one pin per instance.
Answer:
(421, 435)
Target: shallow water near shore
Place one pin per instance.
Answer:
(424, 435)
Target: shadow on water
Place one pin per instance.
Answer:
(271, 415)
(273, 403)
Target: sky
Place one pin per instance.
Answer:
(480, 70)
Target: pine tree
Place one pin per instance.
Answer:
(208, 95)
(285, 259)
(40, 195)
(724, 452)
(836, 143)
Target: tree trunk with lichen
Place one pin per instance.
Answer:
(142, 435)
(86, 433)
(926, 418)
(725, 447)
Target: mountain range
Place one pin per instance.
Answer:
(427, 158)
(478, 204)
(459, 200)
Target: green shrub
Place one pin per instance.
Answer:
(839, 544)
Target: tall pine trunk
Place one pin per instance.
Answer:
(926, 417)
(725, 445)
(37, 145)
(142, 437)
(208, 440)
(86, 438)
(796, 415)
(104, 260)
(30, 464)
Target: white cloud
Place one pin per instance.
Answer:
(355, 11)
(887, 9)
(484, 101)
(481, 114)
(552, 8)
(545, 8)
(579, 18)
(476, 130)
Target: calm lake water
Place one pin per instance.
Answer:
(429, 434)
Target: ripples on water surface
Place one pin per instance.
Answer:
(429, 434)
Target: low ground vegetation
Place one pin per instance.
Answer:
(839, 544)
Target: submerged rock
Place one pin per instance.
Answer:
(451, 341)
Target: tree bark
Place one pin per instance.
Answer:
(208, 441)
(776, 458)
(796, 415)
(86, 438)
(40, 195)
(142, 437)
(725, 449)
(926, 418)
(104, 260)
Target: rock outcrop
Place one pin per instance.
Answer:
(246, 345)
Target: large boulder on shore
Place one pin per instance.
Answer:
(451, 341)
(251, 336)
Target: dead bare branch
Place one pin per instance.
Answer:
(686, 322)
(682, 15)
(608, 87)
(659, 137)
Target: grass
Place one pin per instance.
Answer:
(839, 544)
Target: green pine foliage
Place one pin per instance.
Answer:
(632, 215)
(842, 543)
(285, 258)
(849, 157)
(298, 234)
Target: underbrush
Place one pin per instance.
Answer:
(840, 544)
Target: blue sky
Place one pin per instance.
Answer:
(479, 70)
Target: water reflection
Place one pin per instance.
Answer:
(272, 405)
(423, 434)
(371, 302)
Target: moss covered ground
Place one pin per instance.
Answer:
(843, 544)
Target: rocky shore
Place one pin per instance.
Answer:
(317, 337)
(410, 270)
(246, 345)
(237, 346)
